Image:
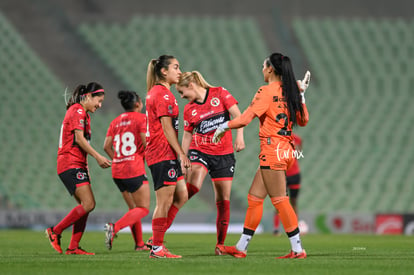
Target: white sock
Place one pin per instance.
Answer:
(296, 243)
(243, 243)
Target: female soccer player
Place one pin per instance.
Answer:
(72, 165)
(163, 151)
(208, 107)
(278, 105)
(125, 144)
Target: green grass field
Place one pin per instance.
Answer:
(28, 252)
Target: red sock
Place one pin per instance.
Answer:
(222, 221)
(136, 230)
(171, 215)
(276, 221)
(130, 218)
(74, 215)
(77, 231)
(192, 190)
(159, 226)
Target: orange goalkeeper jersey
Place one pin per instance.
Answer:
(269, 105)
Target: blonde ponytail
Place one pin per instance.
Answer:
(151, 77)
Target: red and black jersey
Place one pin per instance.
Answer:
(294, 168)
(70, 154)
(125, 130)
(202, 119)
(160, 102)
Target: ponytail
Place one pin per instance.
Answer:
(283, 67)
(151, 74)
(76, 95)
(154, 74)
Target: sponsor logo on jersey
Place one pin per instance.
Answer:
(166, 97)
(80, 111)
(210, 124)
(194, 113)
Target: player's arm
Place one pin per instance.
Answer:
(84, 144)
(108, 147)
(303, 120)
(239, 122)
(239, 144)
(303, 86)
(170, 135)
(186, 141)
(143, 139)
(242, 120)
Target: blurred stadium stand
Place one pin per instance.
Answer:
(357, 146)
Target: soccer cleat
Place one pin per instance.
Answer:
(232, 250)
(294, 255)
(78, 251)
(142, 248)
(220, 250)
(109, 235)
(163, 253)
(149, 243)
(54, 239)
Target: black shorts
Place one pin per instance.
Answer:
(73, 178)
(293, 184)
(132, 184)
(219, 167)
(165, 173)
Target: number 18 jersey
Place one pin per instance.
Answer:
(128, 161)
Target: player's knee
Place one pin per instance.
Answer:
(180, 199)
(254, 201)
(89, 206)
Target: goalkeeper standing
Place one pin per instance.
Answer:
(279, 106)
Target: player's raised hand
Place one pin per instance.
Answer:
(303, 85)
